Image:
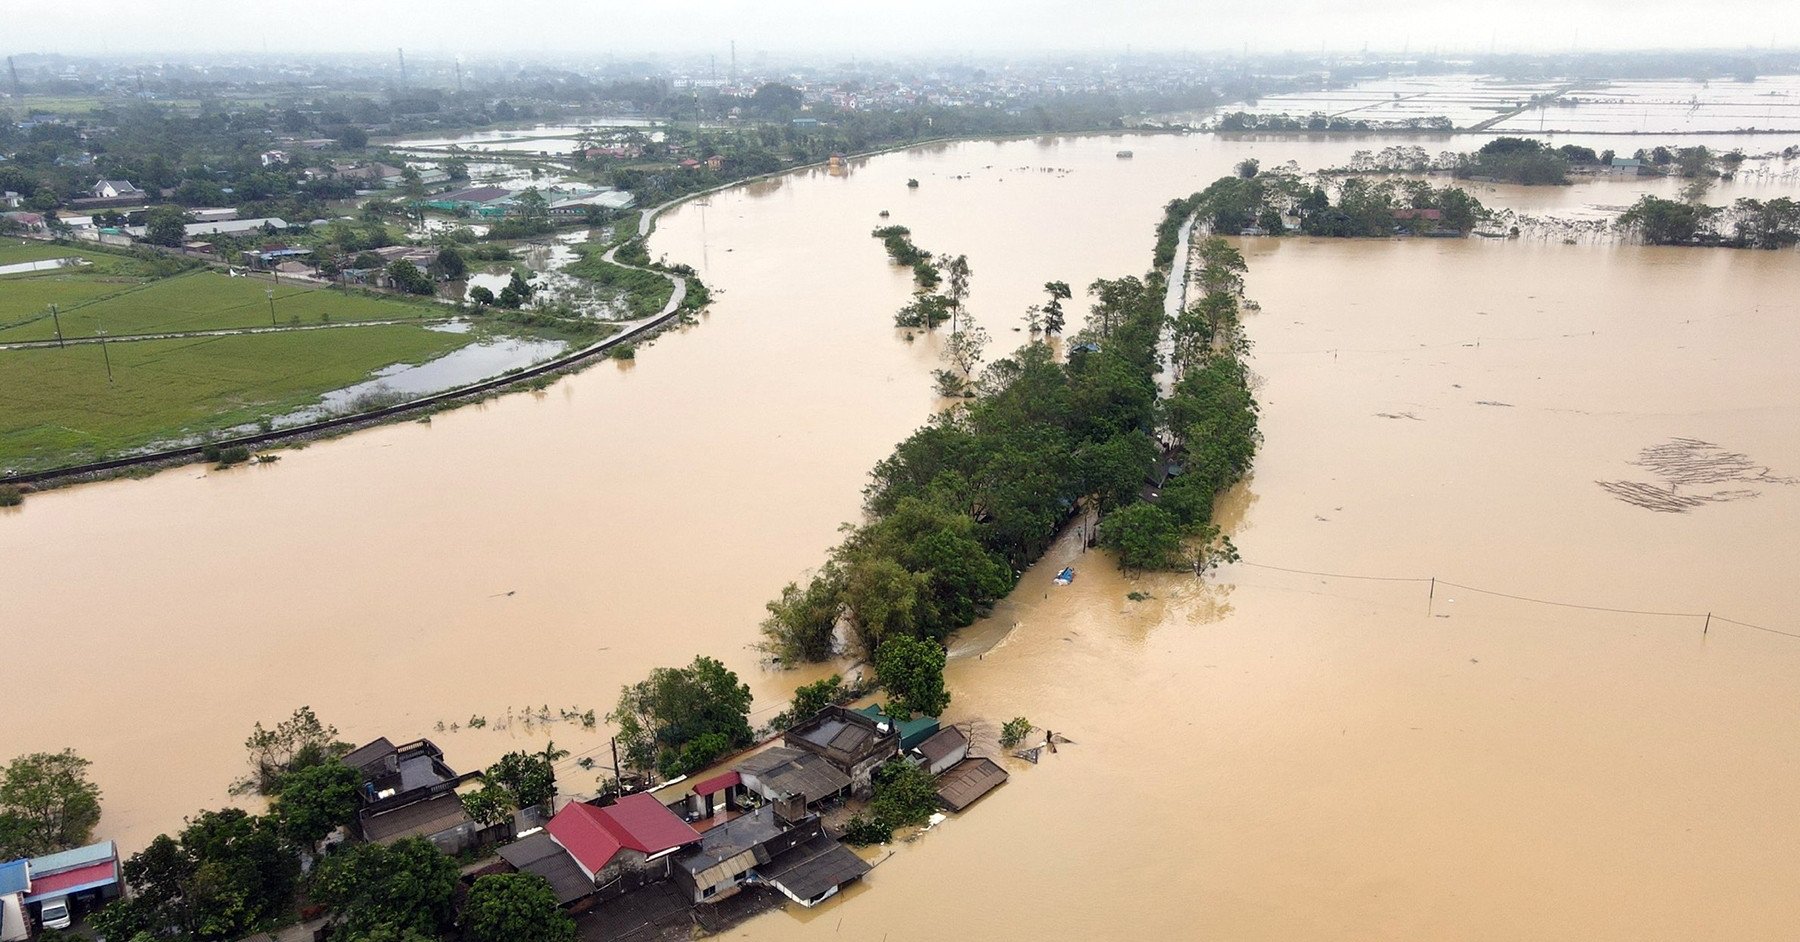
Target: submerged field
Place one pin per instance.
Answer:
(58, 407)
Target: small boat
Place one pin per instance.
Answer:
(1124, 155)
(1066, 576)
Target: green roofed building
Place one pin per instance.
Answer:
(912, 732)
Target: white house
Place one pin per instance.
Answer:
(117, 190)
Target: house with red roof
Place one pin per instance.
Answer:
(634, 839)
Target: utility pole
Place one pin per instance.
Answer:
(105, 355)
(271, 294)
(58, 321)
(618, 776)
(402, 54)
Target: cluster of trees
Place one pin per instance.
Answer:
(1362, 207)
(1209, 416)
(1747, 223)
(680, 719)
(900, 248)
(905, 796)
(1517, 160)
(1320, 121)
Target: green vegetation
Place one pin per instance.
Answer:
(11, 495)
(316, 799)
(900, 248)
(406, 886)
(911, 670)
(1516, 160)
(92, 300)
(905, 796)
(526, 779)
(1747, 223)
(63, 409)
(226, 875)
(1014, 732)
(810, 699)
(47, 804)
(680, 719)
(645, 293)
(297, 743)
(511, 907)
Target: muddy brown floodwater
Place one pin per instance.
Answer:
(1266, 755)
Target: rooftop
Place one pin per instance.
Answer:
(942, 744)
(540, 854)
(69, 859)
(639, 822)
(791, 772)
(417, 819)
(814, 868)
(14, 877)
(732, 838)
(967, 781)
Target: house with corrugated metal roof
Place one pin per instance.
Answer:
(623, 845)
(854, 743)
(945, 748)
(912, 731)
(76, 880)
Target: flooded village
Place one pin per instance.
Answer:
(1501, 647)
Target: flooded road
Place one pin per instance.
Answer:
(1272, 756)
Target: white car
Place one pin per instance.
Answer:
(56, 915)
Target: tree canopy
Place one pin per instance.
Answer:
(680, 719)
(405, 886)
(912, 672)
(511, 907)
(47, 804)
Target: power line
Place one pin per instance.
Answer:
(1709, 616)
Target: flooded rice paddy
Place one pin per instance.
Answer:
(1269, 754)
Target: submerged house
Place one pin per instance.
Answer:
(854, 743)
(968, 780)
(793, 855)
(408, 791)
(944, 749)
(792, 779)
(613, 849)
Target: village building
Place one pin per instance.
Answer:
(967, 781)
(794, 855)
(225, 227)
(478, 201)
(792, 779)
(1626, 166)
(56, 887)
(854, 743)
(912, 731)
(944, 749)
(408, 791)
(621, 846)
(117, 190)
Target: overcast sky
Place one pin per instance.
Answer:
(472, 28)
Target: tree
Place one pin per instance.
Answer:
(315, 800)
(1248, 167)
(298, 742)
(1144, 535)
(532, 204)
(810, 699)
(165, 225)
(659, 716)
(490, 806)
(912, 672)
(450, 265)
(802, 623)
(46, 804)
(965, 347)
(528, 778)
(407, 885)
(408, 278)
(957, 292)
(1053, 309)
(1668, 222)
(1014, 732)
(481, 295)
(512, 907)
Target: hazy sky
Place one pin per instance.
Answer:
(471, 28)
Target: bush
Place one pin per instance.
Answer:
(11, 496)
(1015, 731)
(625, 351)
(236, 454)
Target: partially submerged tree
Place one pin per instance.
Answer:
(682, 718)
(912, 672)
(315, 800)
(407, 885)
(298, 742)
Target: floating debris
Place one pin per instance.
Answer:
(1691, 463)
(1066, 576)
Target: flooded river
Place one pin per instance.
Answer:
(1268, 755)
